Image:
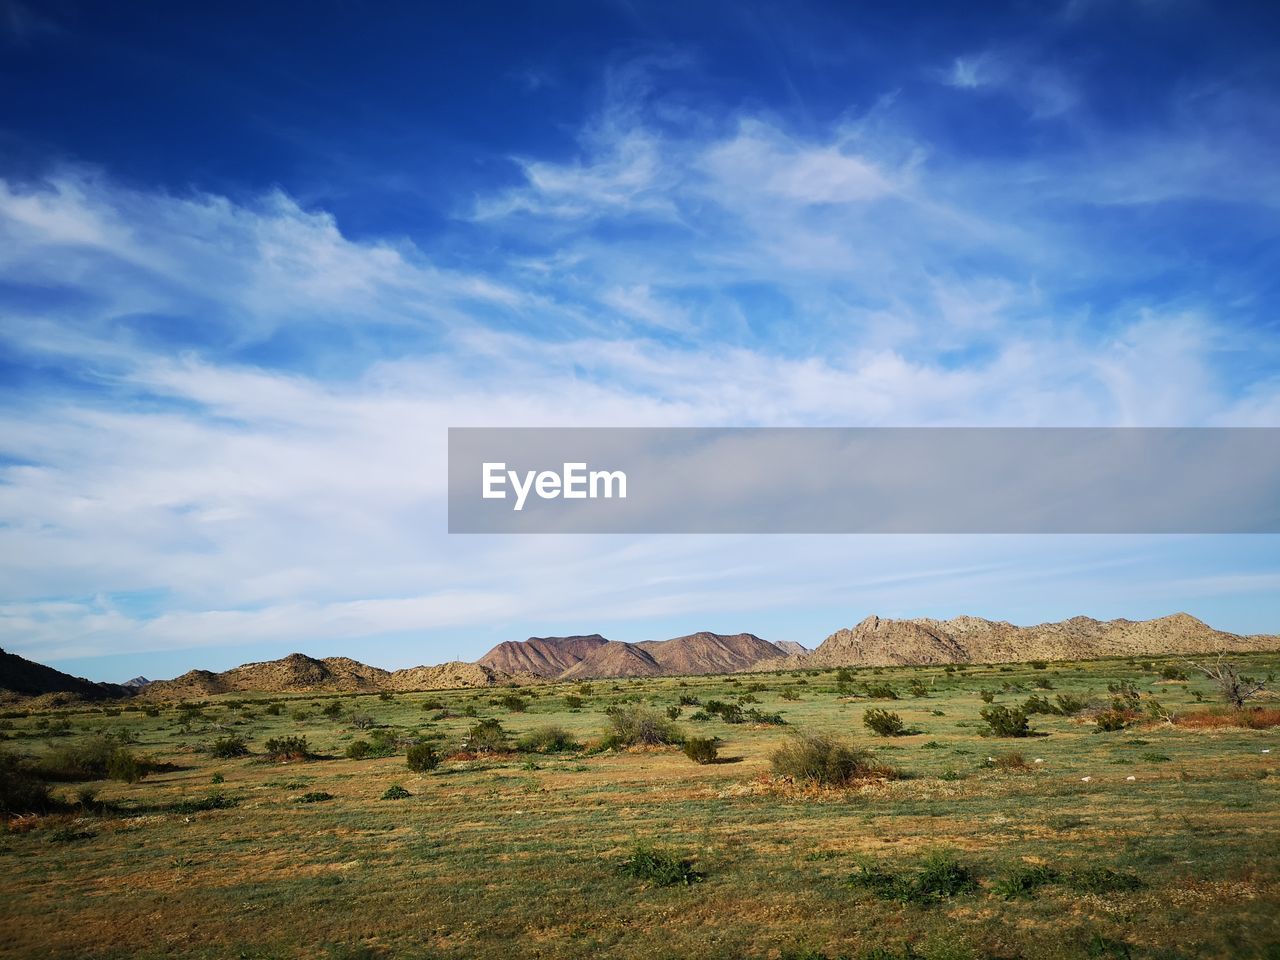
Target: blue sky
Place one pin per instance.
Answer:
(252, 266)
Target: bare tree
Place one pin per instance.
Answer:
(1235, 689)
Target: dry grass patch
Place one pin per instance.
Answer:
(1251, 718)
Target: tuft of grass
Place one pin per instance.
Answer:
(1103, 880)
(1024, 881)
(660, 867)
(939, 877)
(315, 796)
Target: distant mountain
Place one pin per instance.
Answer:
(298, 673)
(20, 677)
(696, 653)
(886, 642)
(546, 657)
(791, 647)
(137, 683)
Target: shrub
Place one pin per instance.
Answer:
(573, 702)
(1170, 672)
(881, 691)
(939, 877)
(1039, 664)
(361, 721)
(334, 709)
(125, 766)
(701, 749)
(766, 719)
(659, 867)
(1005, 721)
(1109, 721)
(819, 759)
(396, 792)
(21, 789)
(315, 796)
(701, 716)
(1069, 704)
(513, 703)
(986, 695)
(386, 696)
(224, 748)
(686, 700)
(432, 704)
(789, 695)
(273, 709)
(917, 688)
(884, 723)
(422, 758)
(487, 736)
(1038, 705)
(300, 716)
(632, 726)
(281, 749)
(358, 749)
(673, 713)
(1024, 881)
(549, 739)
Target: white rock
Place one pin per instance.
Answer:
(1085, 779)
(1131, 778)
(1039, 760)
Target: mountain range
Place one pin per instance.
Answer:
(874, 641)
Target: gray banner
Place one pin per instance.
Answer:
(864, 480)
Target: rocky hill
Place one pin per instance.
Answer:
(20, 677)
(884, 642)
(541, 656)
(298, 673)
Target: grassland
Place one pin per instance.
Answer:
(518, 855)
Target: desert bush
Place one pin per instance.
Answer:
(386, 696)
(764, 718)
(687, 700)
(315, 796)
(880, 691)
(987, 696)
(884, 723)
(361, 721)
(673, 713)
(300, 716)
(939, 877)
(631, 726)
(1023, 881)
(431, 704)
(1170, 672)
(1069, 704)
(333, 709)
(213, 801)
(701, 716)
(487, 736)
(819, 759)
(574, 702)
(224, 748)
(917, 688)
(1005, 721)
(124, 765)
(659, 867)
(1037, 704)
(21, 789)
(513, 703)
(396, 792)
(1109, 721)
(281, 749)
(1039, 664)
(789, 695)
(273, 709)
(701, 749)
(548, 739)
(422, 758)
(151, 711)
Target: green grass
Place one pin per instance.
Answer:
(491, 857)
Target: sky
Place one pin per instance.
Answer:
(253, 266)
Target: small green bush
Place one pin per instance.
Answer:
(125, 766)
(315, 796)
(659, 867)
(574, 702)
(21, 789)
(1069, 704)
(549, 739)
(225, 748)
(823, 760)
(333, 709)
(422, 758)
(884, 723)
(701, 749)
(987, 696)
(514, 703)
(881, 691)
(635, 725)
(487, 736)
(1006, 721)
(1111, 721)
(282, 749)
(396, 792)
